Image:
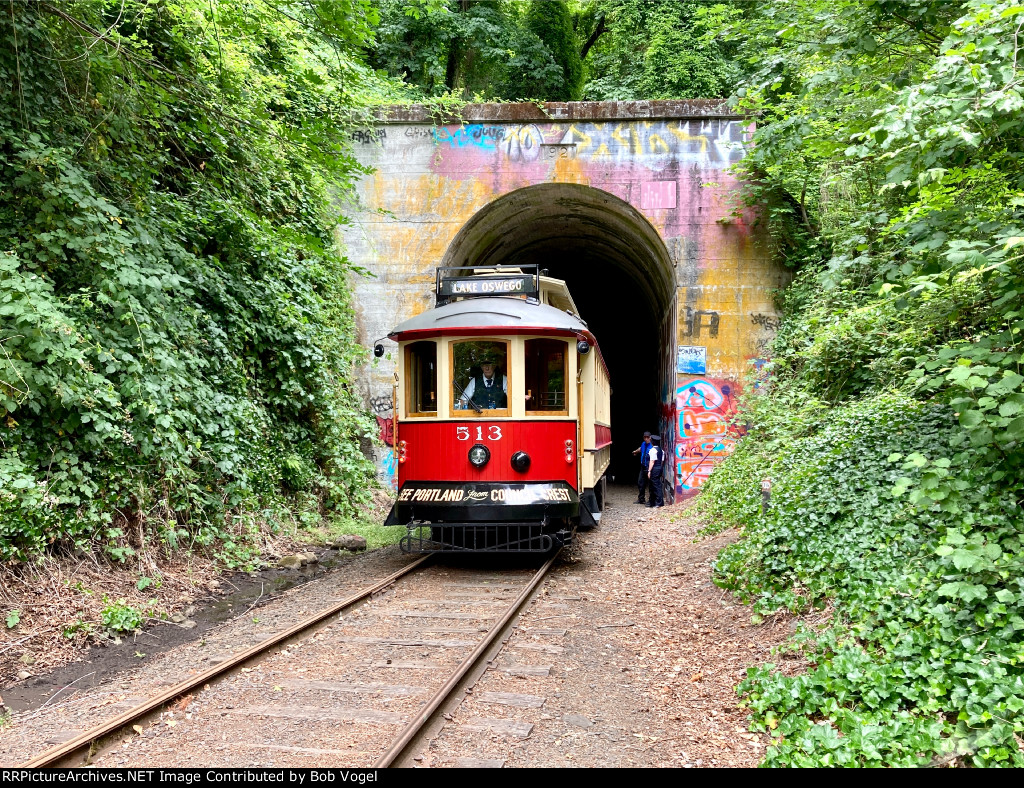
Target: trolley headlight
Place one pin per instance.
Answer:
(479, 455)
(521, 461)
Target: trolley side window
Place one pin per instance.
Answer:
(480, 377)
(421, 378)
(546, 371)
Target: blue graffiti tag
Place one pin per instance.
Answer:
(474, 134)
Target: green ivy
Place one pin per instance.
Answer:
(176, 330)
(892, 421)
(120, 617)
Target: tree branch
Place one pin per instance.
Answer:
(928, 34)
(803, 205)
(600, 30)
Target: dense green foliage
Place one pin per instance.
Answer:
(176, 337)
(470, 48)
(661, 49)
(554, 50)
(890, 157)
(552, 23)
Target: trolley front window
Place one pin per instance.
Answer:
(546, 372)
(421, 378)
(480, 377)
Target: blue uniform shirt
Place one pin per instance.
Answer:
(645, 449)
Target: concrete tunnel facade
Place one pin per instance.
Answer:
(632, 203)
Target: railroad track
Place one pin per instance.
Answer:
(330, 680)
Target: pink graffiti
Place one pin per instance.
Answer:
(704, 435)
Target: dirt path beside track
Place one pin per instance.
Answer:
(642, 651)
(651, 653)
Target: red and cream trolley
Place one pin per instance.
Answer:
(502, 430)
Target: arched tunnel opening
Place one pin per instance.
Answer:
(621, 278)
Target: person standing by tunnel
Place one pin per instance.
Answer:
(655, 463)
(641, 483)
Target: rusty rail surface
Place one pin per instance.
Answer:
(404, 743)
(57, 754)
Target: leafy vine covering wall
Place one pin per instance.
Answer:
(176, 335)
(890, 418)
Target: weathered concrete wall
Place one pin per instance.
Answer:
(662, 164)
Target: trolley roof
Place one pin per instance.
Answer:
(493, 315)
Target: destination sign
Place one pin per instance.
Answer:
(513, 284)
(490, 494)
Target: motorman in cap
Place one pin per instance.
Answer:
(489, 389)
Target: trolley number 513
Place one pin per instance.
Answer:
(493, 433)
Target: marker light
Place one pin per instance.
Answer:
(479, 455)
(521, 461)
(570, 455)
(402, 450)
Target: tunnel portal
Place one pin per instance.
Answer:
(620, 276)
(634, 204)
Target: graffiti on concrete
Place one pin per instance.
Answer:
(703, 439)
(383, 408)
(762, 372)
(767, 322)
(711, 142)
(767, 326)
(694, 321)
(474, 134)
(367, 136)
(698, 142)
(523, 143)
(386, 427)
(382, 405)
(387, 468)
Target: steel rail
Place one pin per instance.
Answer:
(408, 735)
(52, 756)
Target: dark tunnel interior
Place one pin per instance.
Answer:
(626, 328)
(618, 273)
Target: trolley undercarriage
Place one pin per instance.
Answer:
(484, 538)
